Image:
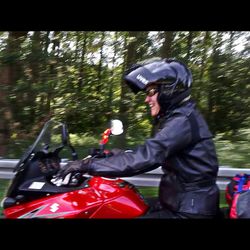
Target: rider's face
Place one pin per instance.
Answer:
(151, 99)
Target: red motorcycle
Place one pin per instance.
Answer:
(36, 192)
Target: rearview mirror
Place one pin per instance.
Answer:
(116, 127)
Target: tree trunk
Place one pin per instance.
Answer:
(44, 75)
(166, 49)
(203, 64)
(129, 59)
(110, 95)
(5, 110)
(36, 53)
(99, 69)
(189, 46)
(81, 65)
(10, 72)
(53, 73)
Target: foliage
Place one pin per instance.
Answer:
(76, 77)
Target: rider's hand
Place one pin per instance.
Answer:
(74, 167)
(49, 163)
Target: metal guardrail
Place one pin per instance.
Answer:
(152, 178)
(148, 179)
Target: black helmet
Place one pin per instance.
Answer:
(172, 76)
(169, 72)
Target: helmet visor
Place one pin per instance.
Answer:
(142, 77)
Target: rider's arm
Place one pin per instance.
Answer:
(174, 136)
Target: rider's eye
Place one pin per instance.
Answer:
(151, 92)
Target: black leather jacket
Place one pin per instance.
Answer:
(190, 166)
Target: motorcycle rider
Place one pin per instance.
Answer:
(182, 145)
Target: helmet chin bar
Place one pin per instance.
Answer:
(167, 102)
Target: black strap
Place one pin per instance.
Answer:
(198, 184)
(195, 131)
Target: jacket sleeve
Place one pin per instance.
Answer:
(173, 137)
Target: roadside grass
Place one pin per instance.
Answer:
(234, 151)
(235, 155)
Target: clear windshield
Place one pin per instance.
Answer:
(53, 136)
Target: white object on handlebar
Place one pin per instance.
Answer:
(60, 181)
(66, 179)
(56, 181)
(116, 127)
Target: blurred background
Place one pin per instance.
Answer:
(76, 77)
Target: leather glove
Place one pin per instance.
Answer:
(49, 163)
(74, 167)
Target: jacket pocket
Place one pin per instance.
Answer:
(202, 201)
(170, 192)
